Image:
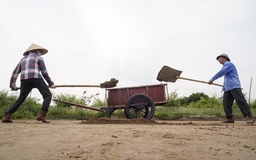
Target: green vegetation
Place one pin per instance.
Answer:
(196, 106)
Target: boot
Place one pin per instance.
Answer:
(6, 117)
(250, 120)
(229, 120)
(42, 116)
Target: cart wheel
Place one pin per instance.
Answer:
(139, 105)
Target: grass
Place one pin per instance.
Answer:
(174, 113)
(161, 113)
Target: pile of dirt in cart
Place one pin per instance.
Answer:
(129, 121)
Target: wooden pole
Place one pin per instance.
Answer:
(249, 101)
(194, 80)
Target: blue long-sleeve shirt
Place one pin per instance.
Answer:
(231, 78)
(31, 66)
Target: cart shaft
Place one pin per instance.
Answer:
(79, 105)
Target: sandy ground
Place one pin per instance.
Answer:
(101, 139)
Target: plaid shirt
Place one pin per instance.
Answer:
(30, 66)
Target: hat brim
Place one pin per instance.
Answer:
(223, 57)
(43, 51)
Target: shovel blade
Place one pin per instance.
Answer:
(168, 74)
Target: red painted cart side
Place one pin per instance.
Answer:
(119, 96)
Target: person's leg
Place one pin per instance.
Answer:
(47, 96)
(45, 92)
(25, 89)
(242, 104)
(227, 104)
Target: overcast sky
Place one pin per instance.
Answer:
(91, 41)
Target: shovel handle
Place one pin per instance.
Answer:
(77, 86)
(194, 80)
(57, 86)
(106, 84)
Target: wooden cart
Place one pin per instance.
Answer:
(137, 101)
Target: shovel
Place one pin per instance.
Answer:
(169, 74)
(106, 84)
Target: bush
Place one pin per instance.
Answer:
(194, 97)
(253, 104)
(206, 103)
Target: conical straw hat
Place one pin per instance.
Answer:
(35, 47)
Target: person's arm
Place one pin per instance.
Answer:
(227, 67)
(14, 76)
(44, 71)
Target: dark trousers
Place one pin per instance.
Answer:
(25, 89)
(237, 95)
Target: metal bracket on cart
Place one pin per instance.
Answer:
(108, 111)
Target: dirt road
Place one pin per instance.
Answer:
(101, 139)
